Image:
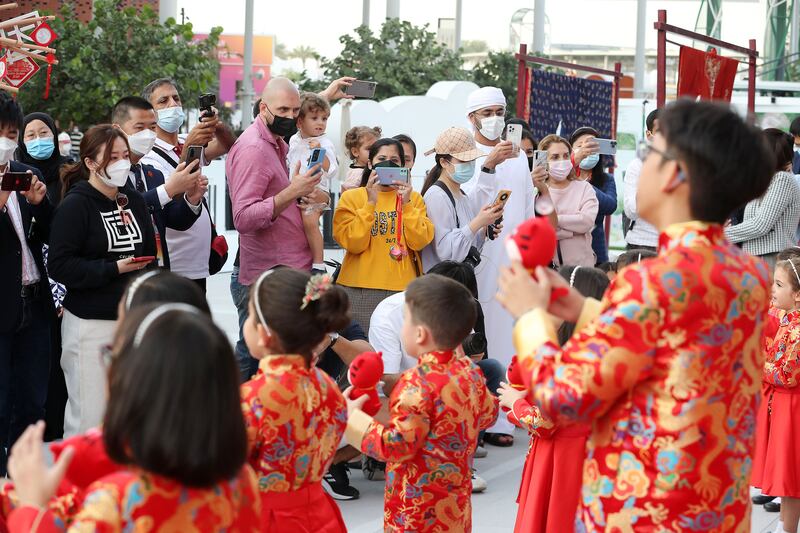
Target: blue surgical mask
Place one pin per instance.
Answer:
(40, 149)
(171, 119)
(590, 161)
(463, 172)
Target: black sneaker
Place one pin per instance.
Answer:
(337, 483)
(373, 469)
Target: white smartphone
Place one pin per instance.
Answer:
(514, 134)
(540, 158)
(607, 146)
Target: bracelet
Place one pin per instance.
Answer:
(488, 170)
(334, 339)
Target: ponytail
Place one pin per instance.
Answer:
(434, 173)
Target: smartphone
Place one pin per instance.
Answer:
(205, 103)
(195, 152)
(361, 89)
(317, 158)
(16, 181)
(502, 197)
(540, 158)
(607, 146)
(143, 259)
(514, 134)
(388, 175)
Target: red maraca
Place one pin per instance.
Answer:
(534, 243)
(514, 377)
(364, 374)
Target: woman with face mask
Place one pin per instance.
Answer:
(38, 148)
(588, 166)
(575, 204)
(382, 229)
(460, 228)
(102, 234)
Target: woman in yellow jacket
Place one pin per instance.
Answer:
(366, 224)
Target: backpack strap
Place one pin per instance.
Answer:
(165, 156)
(452, 200)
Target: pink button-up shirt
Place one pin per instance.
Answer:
(256, 172)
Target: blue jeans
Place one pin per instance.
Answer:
(241, 299)
(24, 374)
(494, 372)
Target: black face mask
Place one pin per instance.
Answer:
(386, 164)
(282, 126)
(530, 163)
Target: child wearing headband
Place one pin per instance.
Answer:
(294, 412)
(161, 286)
(777, 427)
(174, 424)
(552, 475)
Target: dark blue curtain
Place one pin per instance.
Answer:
(575, 102)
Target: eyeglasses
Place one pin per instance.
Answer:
(648, 148)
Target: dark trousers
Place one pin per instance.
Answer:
(248, 366)
(201, 283)
(56, 388)
(24, 374)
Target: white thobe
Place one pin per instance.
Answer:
(514, 175)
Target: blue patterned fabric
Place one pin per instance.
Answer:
(575, 102)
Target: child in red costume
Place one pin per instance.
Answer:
(192, 477)
(551, 479)
(778, 430)
(295, 413)
(437, 409)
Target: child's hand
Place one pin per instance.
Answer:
(508, 395)
(356, 404)
(314, 144)
(34, 482)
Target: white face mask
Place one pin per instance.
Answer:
(142, 142)
(492, 127)
(116, 174)
(7, 149)
(559, 170)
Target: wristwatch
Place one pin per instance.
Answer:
(334, 337)
(488, 170)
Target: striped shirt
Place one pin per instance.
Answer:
(770, 222)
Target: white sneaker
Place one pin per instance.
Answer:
(480, 452)
(478, 483)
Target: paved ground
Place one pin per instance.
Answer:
(493, 511)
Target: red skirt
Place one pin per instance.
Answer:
(551, 482)
(306, 510)
(776, 464)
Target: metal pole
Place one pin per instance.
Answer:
(365, 13)
(794, 46)
(458, 24)
(392, 9)
(640, 60)
(538, 26)
(247, 82)
(661, 62)
(751, 84)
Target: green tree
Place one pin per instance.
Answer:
(303, 53)
(280, 50)
(116, 55)
(404, 59)
(474, 47)
(499, 70)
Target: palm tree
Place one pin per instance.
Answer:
(280, 50)
(304, 53)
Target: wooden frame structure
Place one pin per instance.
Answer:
(663, 29)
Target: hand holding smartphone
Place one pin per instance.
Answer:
(514, 134)
(143, 259)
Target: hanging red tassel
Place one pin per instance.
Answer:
(50, 58)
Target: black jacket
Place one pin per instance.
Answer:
(176, 214)
(36, 221)
(86, 241)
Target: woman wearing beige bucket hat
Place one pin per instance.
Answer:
(460, 226)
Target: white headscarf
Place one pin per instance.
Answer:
(485, 97)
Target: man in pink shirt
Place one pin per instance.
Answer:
(265, 209)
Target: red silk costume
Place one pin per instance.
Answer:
(295, 419)
(778, 428)
(437, 409)
(137, 501)
(668, 372)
